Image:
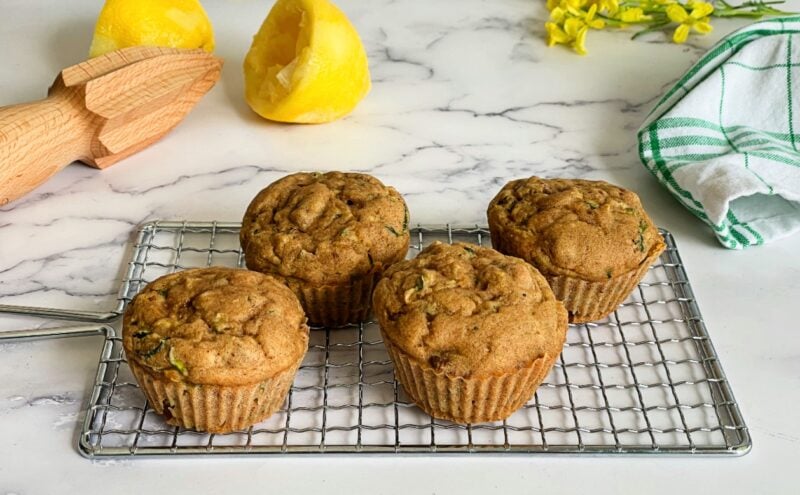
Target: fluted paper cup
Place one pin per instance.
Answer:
(214, 408)
(470, 399)
(336, 305)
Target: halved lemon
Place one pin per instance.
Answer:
(174, 23)
(306, 64)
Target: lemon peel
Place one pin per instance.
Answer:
(175, 24)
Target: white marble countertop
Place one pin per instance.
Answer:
(466, 96)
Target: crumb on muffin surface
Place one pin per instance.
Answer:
(587, 229)
(469, 311)
(325, 228)
(218, 326)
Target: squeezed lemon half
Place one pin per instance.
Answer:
(306, 64)
(173, 23)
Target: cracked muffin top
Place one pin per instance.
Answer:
(325, 228)
(592, 230)
(469, 311)
(219, 326)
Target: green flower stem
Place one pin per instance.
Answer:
(611, 21)
(751, 14)
(750, 9)
(655, 27)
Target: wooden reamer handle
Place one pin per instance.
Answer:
(39, 139)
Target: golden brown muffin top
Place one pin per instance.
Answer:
(325, 228)
(218, 326)
(587, 229)
(469, 311)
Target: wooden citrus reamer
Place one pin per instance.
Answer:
(99, 112)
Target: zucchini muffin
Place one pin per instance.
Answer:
(592, 240)
(215, 349)
(330, 237)
(471, 332)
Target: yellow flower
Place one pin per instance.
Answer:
(587, 16)
(632, 14)
(612, 6)
(591, 21)
(569, 24)
(700, 9)
(566, 4)
(557, 15)
(579, 45)
(697, 19)
(556, 35)
(572, 26)
(576, 29)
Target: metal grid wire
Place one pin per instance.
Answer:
(644, 381)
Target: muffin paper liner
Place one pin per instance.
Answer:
(590, 301)
(337, 305)
(587, 300)
(214, 408)
(467, 400)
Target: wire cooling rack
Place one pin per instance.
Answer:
(644, 381)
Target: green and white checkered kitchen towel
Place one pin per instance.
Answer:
(724, 140)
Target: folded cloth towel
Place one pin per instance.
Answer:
(724, 140)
